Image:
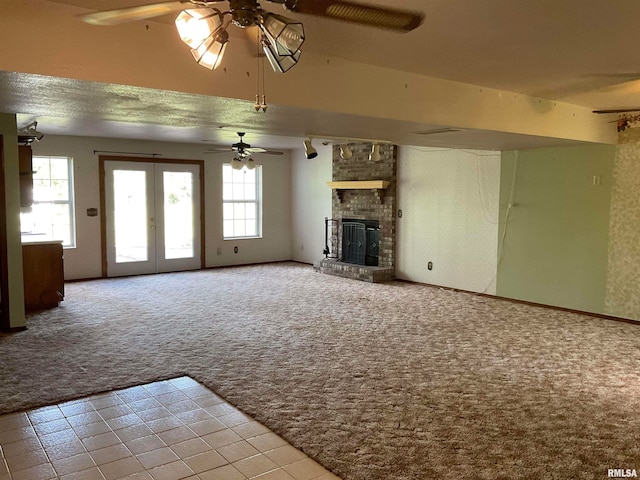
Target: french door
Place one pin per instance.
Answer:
(152, 213)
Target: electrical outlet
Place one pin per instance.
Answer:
(596, 180)
(430, 266)
(219, 251)
(302, 248)
(235, 249)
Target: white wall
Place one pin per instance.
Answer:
(84, 261)
(450, 203)
(310, 203)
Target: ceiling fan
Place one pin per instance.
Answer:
(243, 152)
(204, 27)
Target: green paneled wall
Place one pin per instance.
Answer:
(554, 249)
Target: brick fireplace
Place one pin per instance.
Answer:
(364, 192)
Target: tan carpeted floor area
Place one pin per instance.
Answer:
(374, 381)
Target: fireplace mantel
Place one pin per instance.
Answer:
(359, 184)
(379, 185)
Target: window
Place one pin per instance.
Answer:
(241, 206)
(52, 212)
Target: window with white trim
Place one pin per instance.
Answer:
(52, 212)
(241, 202)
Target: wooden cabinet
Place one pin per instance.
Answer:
(25, 166)
(43, 271)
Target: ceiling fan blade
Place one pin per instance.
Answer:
(219, 150)
(123, 15)
(272, 152)
(618, 110)
(391, 18)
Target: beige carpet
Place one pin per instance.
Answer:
(375, 381)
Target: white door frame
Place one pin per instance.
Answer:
(155, 180)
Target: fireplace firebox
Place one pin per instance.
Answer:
(360, 242)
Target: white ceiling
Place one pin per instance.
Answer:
(579, 52)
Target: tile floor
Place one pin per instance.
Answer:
(169, 430)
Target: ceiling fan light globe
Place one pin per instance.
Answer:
(250, 163)
(279, 63)
(209, 54)
(196, 25)
(287, 35)
(236, 164)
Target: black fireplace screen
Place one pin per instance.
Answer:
(360, 242)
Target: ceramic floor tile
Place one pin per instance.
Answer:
(17, 434)
(285, 455)
(65, 449)
(132, 433)
(194, 416)
(226, 472)
(168, 430)
(21, 446)
(171, 471)
(11, 421)
(155, 458)
(91, 429)
(222, 438)
(256, 465)
(84, 418)
(306, 469)
(52, 426)
(279, 474)
(145, 444)
(27, 460)
(46, 414)
(250, 429)
(110, 454)
(267, 441)
(205, 461)
(63, 436)
(77, 407)
(39, 472)
(121, 468)
(177, 435)
(100, 441)
(190, 448)
(77, 463)
(237, 451)
(124, 421)
(89, 474)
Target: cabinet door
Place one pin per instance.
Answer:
(43, 275)
(26, 175)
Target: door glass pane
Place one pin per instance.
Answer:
(178, 214)
(130, 216)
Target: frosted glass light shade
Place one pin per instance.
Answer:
(287, 35)
(236, 164)
(209, 54)
(196, 25)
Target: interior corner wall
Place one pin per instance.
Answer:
(84, 261)
(623, 273)
(11, 188)
(310, 203)
(554, 249)
(449, 204)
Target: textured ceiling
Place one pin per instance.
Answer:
(576, 52)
